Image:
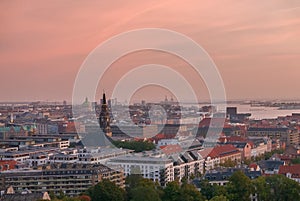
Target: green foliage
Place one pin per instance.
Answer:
(189, 192)
(207, 189)
(268, 155)
(210, 191)
(295, 161)
(52, 195)
(219, 198)
(276, 188)
(61, 195)
(229, 163)
(239, 187)
(262, 189)
(172, 191)
(84, 198)
(135, 184)
(144, 193)
(106, 190)
(282, 188)
(71, 199)
(137, 146)
(247, 161)
(67, 199)
(184, 192)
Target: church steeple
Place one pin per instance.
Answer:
(104, 118)
(103, 98)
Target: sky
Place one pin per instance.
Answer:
(254, 44)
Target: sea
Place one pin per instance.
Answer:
(262, 112)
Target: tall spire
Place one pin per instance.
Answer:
(104, 118)
(104, 98)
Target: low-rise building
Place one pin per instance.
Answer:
(225, 153)
(271, 166)
(11, 195)
(290, 171)
(259, 145)
(221, 176)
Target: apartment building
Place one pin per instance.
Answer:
(159, 169)
(71, 179)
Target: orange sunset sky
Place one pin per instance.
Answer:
(254, 44)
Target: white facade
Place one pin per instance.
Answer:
(99, 155)
(164, 142)
(211, 163)
(18, 156)
(63, 158)
(289, 175)
(38, 159)
(156, 169)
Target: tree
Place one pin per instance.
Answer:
(262, 189)
(172, 191)
(219, 198)
(295, 161)
(207, 189)
(139, 188)
(84, 198)
(144, 193)
(189, 192)
(106, 190)
(283, 188)
(137, 146)
(239, 187)
(229, 163)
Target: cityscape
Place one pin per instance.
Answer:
(149, 101)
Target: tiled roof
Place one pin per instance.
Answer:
(7, 164)
(224, 150)
(171, 149)
(236, 139)
(253, 166)
(251, 143)
(205, 152)
(293, 169)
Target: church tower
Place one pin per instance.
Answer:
(104, 118)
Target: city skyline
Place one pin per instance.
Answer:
(253, 44)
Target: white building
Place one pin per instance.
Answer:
(100, 155)
(63, 158)
(158, 169)
(38, 159)
(188, 164)
(164, 142)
